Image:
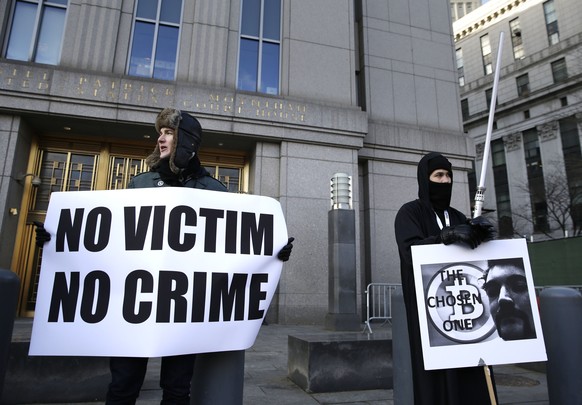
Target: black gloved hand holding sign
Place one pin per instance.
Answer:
(463, 233)
(42, 235)
(285, 251)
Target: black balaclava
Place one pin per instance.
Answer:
(438, 195)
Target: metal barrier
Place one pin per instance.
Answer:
(379, 302)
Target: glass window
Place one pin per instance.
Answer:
(522, 85)
(465, 109)
(171, 11)
(36, 32)
(248, 65)
(486, 55)
(573, 163)
(272, 20)
(251, 18)
(488, 97)
(535, 177)
(270, 69)
(460, 10)
(167, 49)
(156, 31)
(460, 66)
(229, 176)
(559, 71)
(516, 40)
(551, 22)
(501, 182)
(260, 46)
(147, 9)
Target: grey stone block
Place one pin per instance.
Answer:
(53, 379)
(340, 361)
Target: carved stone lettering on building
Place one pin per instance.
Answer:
(25, 79)
(99, 88)
(548, 131)
(155, 95)
(512, 141)
(479, 149)
(142, 93)
(246, 106)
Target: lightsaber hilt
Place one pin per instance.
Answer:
(479, 199)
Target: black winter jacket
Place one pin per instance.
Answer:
(154, 179)
(416, 224)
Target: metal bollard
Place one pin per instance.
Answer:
(218, 378)
(561, 318)
(402, 367)
(9, 287)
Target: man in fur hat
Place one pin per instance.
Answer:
(431, 220)
(173, 163)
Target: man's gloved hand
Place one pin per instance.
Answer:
(42, 235)
(285, 251)
(463, 233)
(483, 228)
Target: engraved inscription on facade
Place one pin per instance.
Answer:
(548, 130)
(512, 141)
(125, 90)
(247, 106)
(479, 148)
(24, 79)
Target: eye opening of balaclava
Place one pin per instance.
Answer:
(439, 193)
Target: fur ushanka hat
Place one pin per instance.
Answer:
(186, 142)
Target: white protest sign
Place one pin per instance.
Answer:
(470, 316)
(156, 272)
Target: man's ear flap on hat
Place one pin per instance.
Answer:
(189, 140)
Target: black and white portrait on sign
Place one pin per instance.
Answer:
(479, 305)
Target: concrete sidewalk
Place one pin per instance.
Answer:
(266, 381)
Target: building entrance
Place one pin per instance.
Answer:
(78, 165)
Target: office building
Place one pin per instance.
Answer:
(288, 93)
(534, 173)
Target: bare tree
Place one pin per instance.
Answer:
(563, 207)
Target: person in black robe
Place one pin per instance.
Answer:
(431, 220)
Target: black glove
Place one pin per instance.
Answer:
(42, 235)
(483, 228)
(463, 233)
(285, 251)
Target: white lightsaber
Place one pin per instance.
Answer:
(480, 195)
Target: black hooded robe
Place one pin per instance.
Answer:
(416, 224)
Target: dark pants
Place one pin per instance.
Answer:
(128, 373)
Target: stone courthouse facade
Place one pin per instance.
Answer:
(534, 178)
(289, 92)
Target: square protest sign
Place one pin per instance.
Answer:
(477, 307)
(150, 272)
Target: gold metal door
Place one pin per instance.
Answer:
(88, 166)
(77, 165)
